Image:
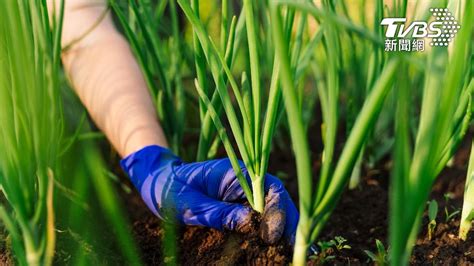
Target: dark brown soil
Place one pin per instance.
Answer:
(5, 256)
(5, 259)
(227, 248)
(361, 218)
(203, 246)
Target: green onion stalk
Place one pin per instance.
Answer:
(444, 118)
(467, 215)
(316, 206)
(207, 128)
(230, 36)
(32, 126)
(299, 141)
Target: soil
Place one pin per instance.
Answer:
(5, 256)
(360, 218)
(203, 246)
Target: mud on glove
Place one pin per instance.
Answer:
(206, 194)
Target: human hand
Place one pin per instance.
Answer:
(207, 194)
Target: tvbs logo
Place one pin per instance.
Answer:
(410, 37)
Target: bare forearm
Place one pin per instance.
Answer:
(107, 79)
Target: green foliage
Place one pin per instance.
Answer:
(90, 212)
(32, 127)
(448, 215)
(382, 257)
(338, 243)
(432, 210)
(432, 213)
(467, 215)
(55, 204)
(91, 226)
(316, 207)
(444, 116)
(330, 248)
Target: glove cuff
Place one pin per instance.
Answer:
(146, 161)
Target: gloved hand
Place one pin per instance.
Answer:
(207, 194)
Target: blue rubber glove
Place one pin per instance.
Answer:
(207, 194)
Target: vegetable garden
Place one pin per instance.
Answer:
(374, 147)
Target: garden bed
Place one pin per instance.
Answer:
(361, 218)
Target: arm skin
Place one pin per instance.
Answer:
(107, 78)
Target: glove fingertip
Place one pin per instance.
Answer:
(238, 218)
(274, 219)
(272, 225)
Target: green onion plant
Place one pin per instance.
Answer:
(444, 118)
(54, 204)
(432, 213)
(208, 138)
(381, 257)
(467, 215)
(316, 206)
(358, 81)
(253, 140)
(448, 214)
(32, 126)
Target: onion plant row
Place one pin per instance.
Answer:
(317, 205)
(253, 141)
(444, 117)
(31, 127)
(46, 190)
